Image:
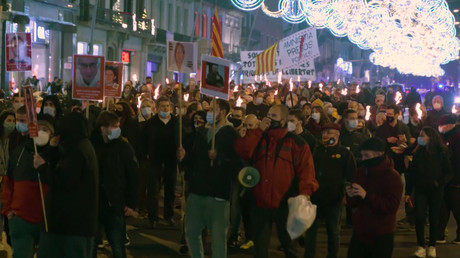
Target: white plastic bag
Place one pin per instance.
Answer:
(302, 214)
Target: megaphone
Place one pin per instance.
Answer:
(249, 177)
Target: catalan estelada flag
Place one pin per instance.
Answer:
(265, 61)
(217, 49)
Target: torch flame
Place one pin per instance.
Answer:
(357, 89)
(253, 87)
(419, 110)
(344, 91)
(276, 92)
(139, 101)
(291, 85)
(338, 81)
(280, 75)
(235, 89)
(167, 80)
(368, 112)
(157, 92)
(454, 109)
(239, 101)
(321, 87)
(309, 84)
(186, 96)
(298, 78)
(398, 97)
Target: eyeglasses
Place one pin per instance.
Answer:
(86, 66)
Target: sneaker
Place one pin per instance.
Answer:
(247, 245)
(456, 241)
(127, 240)
(431, 251)
(441, 241)
(421, 252)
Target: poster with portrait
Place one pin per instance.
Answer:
(88, 77)
(29, 103)
(18, 52)
(215, 74)
(182, 56)
(112, 79)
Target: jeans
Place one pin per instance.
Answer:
(206, 212)
(262, 227)
(115, 230)
(431, 201)
(24, 236)
(451, 203)
(57, 246)
(167, 172)
(332, 215)
(381, 248)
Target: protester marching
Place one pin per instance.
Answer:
(225, 158)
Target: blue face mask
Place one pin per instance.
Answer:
(146, 111)
(421, 141)
(115, 134)
(22, 127)
(353, 124)
(164, 114)
(49, 111)
(209, 117)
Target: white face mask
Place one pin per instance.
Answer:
(437, 106)
(37, 110)
(259, 101)
(43, 138)
(303, 103)
(291, 126)
(329, 111)
(49, 111)
(316, 116)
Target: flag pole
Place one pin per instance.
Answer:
(213, 143)
(180, 108)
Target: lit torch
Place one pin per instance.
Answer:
(321, 87)
(368, 112)
(167, 80)
(235, 89)
(398, 97)
(239, 101)
(309, 84)
(253, 87)
(186, 96)
(298, 78)
(280, 75)
(157, 92)
(344, 92)
(138, 101)
(276, 92)
(357, 89)
(454, 109)
(291, 85)
(419, 111)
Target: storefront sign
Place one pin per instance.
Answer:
(18, 52)
(125, 56)
(113, 80)
(88, 77)
(214, 77)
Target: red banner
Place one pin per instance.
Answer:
(18, 52)
(29, 103)
(113, 81)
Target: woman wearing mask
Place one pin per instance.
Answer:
(429, 172)
(317, 120)
(127, 121)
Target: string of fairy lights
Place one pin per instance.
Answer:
(412, 36)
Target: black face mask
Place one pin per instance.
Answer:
(236, 122)
(390, 119)
(275, 124)
(372, 162)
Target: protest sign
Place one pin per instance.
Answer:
(214, 77)
(306, 71)
(298, 48)
(88, 77)
(30, 111)
(181, 57)
(112, 79)
(18, 52)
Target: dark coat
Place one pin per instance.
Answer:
(161, 140)
(452, 140)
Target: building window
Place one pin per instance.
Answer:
(81, 48)
(170, 17)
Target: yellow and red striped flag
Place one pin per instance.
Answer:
(265, 61)
(216, 44)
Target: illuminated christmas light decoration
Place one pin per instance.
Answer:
(422, 31)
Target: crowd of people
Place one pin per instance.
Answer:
(344, 147)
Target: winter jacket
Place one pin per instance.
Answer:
(333, 167)
(118, 173)
(375, 215)
(432, 118)
(427, 170)
(258, 110)
(352, 141)
(204, 179)
(161, 140)
(21, 190)
(278, 165)
(452, 140)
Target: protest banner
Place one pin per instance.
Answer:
(113, 79)
(88, 77)
(298, 48)
(214, 77)
(182, 56)
(18, 52)
(303, 72)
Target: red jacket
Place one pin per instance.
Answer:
(276, 176)
(375, 215)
